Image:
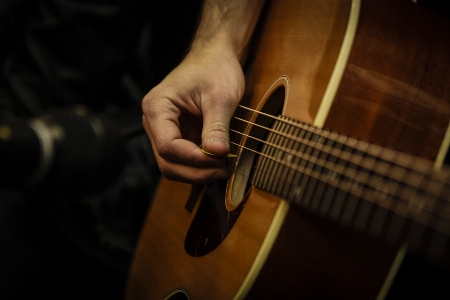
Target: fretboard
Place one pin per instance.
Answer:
(387, 194)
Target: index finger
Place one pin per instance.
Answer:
(170, 146)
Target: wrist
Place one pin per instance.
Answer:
(227, 25)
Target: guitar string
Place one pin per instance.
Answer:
(434, 214)
(390, 166)
(332, 168)
(413, 213)
(381, 153)
(335, 169)
(347, 156)
(395, 174)
(385, 159)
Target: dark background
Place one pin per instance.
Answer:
(105, 55)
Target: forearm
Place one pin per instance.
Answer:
(227, 25)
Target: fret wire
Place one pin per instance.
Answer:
(327, 191)
(351, 204)
(298, 176)
(291, 144)
(257, 176)
(321, 202)
(420, 214)
(267, 163)
(297, 182)
(378, 181)
(362, 209)
(266, 175)
(379, 215)
(321, 186)
(310, 191)
(416, 196)
(396, 222)
(337, 204)
(417, 203)
(312, 184)
(305, 180)
(277, 140)
(264, 162)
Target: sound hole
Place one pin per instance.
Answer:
(241, 180)
(212, 221)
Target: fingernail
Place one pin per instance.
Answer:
(219, 139)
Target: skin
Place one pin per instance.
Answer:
(192, 107)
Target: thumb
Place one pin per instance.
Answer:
(216, 125)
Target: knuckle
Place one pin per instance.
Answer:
(197, 179)
(217, 127)
(164, 151)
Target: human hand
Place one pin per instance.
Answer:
(192, 107)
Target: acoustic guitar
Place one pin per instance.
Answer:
(341, 140)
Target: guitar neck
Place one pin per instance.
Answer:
(375, 190)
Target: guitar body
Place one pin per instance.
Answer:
(393, 91)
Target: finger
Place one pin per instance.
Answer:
(177, 150)
(192, 175)
(216, 122)
(187, 153)
(189, 174)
